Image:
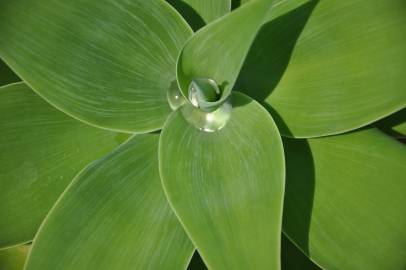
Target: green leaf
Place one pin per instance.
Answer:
(114, 215)
(218, 51)
(329, 66)
(107, 63)
(41, 150)
(7, 76)
(226, 187)
(13, 258)
(345, 200)
(198, 13)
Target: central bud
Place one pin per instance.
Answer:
(204, 94)
(208, 109)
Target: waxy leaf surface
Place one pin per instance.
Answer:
(345, 200)
(114, 215)
(328, 66)
(218, 51)
(41, 150)
(227, 186)
(107, 63)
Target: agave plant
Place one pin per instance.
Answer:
(143, 132)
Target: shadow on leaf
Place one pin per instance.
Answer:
(299, 191)
(188, 13)
(270, 53)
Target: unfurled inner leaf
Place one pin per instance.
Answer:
(218, 51)
(41, 150)
(107, 63)
(345, 200)
(226, 186)
(114, 215)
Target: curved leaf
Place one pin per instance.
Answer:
(218, 51)
(41, 150)
(329, 66)
(198, 13)
(226, 187)
(13, 258)
(7, 76)
(345, 200)
(114, 215)
(108, 63)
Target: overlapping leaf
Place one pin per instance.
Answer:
(108, 63)
(226, 187)
(345, 200)
(218, 51)
(328, 66)
(114, 215)
(41, 150)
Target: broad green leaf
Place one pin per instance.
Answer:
(13, 258)
(41, 150)
(107, 63)
(218, 51)
(226, 187)
(7, 76)
(329, 66)
(114, 215)
(394, 124)
(345, 200)
(198, 13)
(293, 258)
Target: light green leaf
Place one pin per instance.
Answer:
(114, 215)
(13, 258)
(329, 66)
(108, 63)
(226, 187)
(41, 150)
(345, 200)
(7, 76)
(218, 51)
(198, 13)
(395, 124)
